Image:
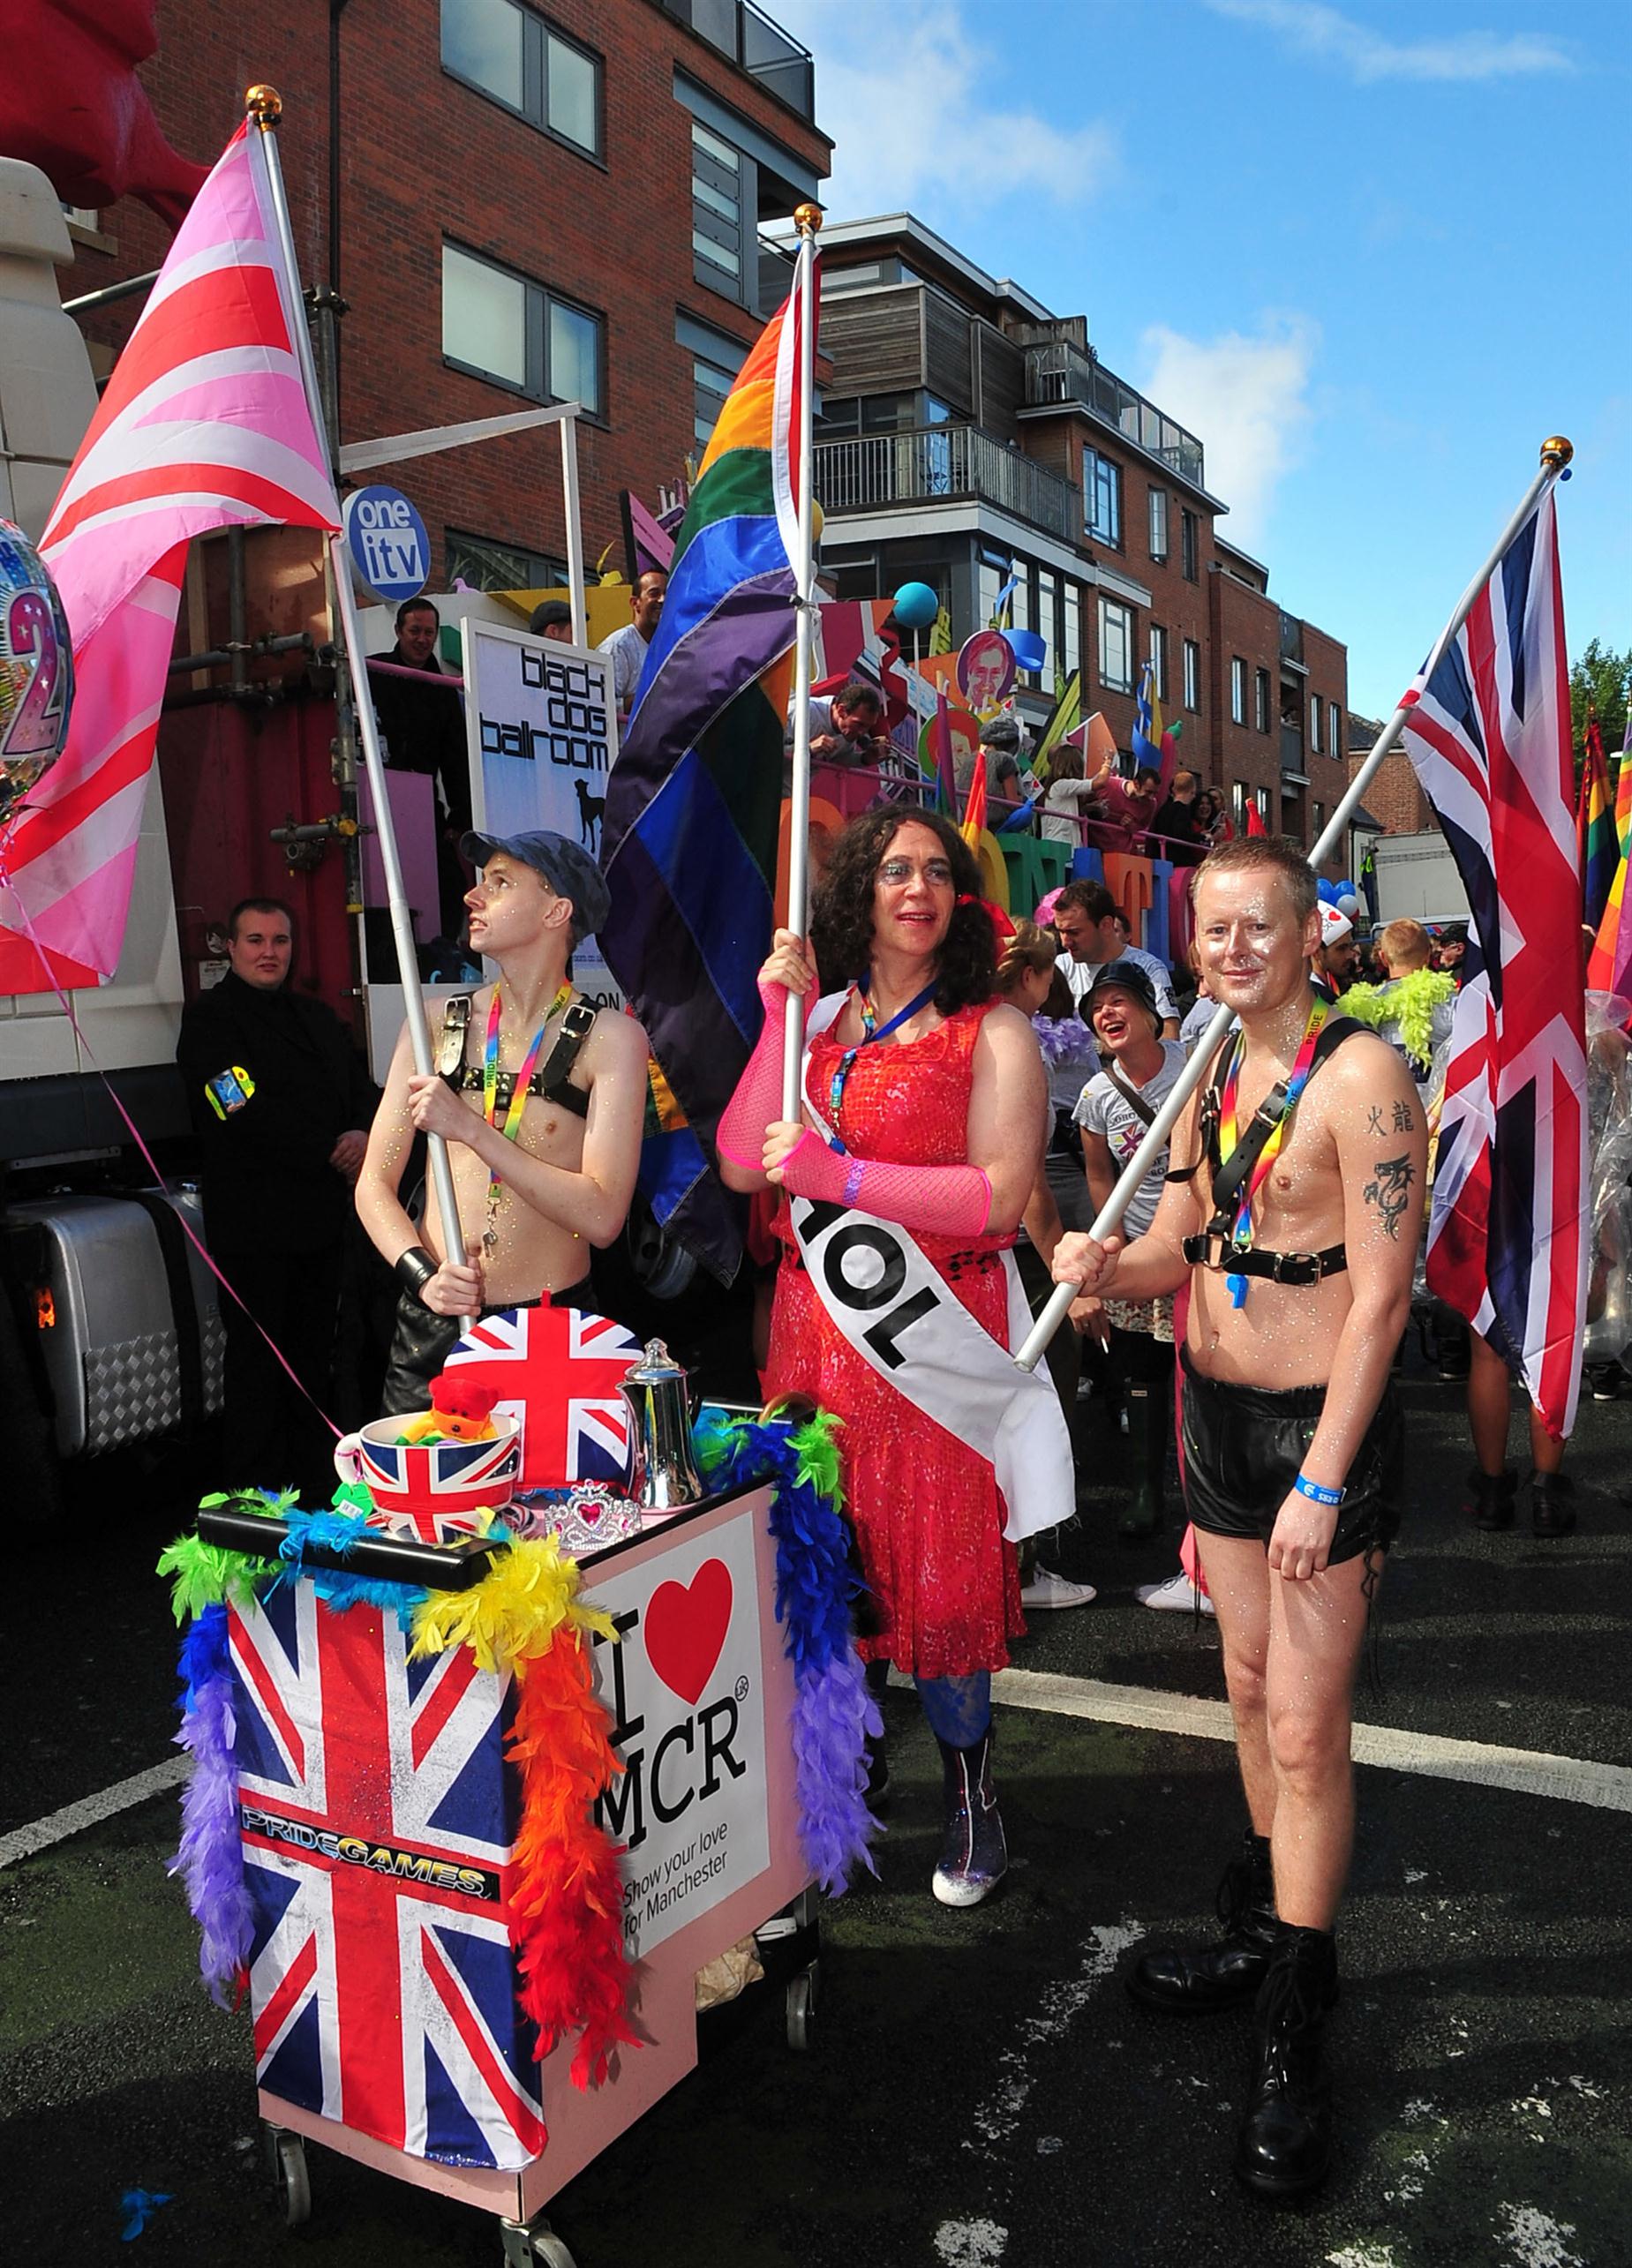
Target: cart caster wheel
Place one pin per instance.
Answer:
(288, 2165)
(801, 2000)
(534, 2247)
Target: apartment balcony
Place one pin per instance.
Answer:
(1292, 645)
(1059, 371)
(1292, 755)
(749, 38)
(940, 463)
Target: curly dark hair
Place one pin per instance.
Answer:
(841, 916)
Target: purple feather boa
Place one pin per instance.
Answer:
(833, 1714)
(210, 1859)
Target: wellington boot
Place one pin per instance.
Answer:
(974, 1857)
(1147, 1450)
(1200, 1981)
(1285, 2144)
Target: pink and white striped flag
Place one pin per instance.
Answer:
(204, 425)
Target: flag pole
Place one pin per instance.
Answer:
(1555, 455)
(264, 105)
(806, 220)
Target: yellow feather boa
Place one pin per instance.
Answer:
(1408, 1002)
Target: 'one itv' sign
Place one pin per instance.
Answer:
(388, 542)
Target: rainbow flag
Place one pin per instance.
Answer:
(1609, 964)
(694, 801)
(1595, 847)
(974, 809)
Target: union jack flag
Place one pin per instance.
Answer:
(377, 1816)
(460, 1476)
(557, 1370)
(203, 425)
(1489, 734)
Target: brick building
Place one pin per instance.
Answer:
(967, 434)
(1394, 794)
(515, 204)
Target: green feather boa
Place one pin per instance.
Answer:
(1407, 1002)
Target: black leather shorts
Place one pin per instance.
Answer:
(1244, 1446)
(422, 1342)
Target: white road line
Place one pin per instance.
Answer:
(1521, 1771)
(75, 1818)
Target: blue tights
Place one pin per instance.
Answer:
(958, 1710)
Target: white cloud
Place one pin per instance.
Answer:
(1312, 29)
(906, 94)
(1247, 401)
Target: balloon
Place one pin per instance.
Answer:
(1349, 903)
(915, 605)
(1327, 891)
(36, 670)
(1030, 649)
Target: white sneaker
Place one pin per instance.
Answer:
(1178, 1594)
(1046, 1588)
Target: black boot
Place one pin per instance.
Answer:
(974, 1858)
(1490, 1501)
(1285, 2144)
(1201, 1981)
(1552, 1504)
(1147, 1449)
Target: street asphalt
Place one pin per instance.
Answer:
(979, 2091)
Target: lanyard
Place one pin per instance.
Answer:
(1241, 1234)
(872, 1031)
(489, 1066)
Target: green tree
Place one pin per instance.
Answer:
(1600, 675)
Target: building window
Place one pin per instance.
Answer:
(1159, 660)
(1317, 823)
(1070, 639)
(717, 207)
(1260, 700)
(715, 362)
(1192, 676)
(1101, 497)
(1237, 690)
(1334, 741)
(522, 61)
(505, 328)
(1158, 524)
(487, 563)
(1188, 546)
(1115, 646)
(1315, 724)
(1237, 806)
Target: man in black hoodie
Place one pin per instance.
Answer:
(281, 1104)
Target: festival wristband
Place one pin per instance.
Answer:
(1316, 1494)
(414, 1269)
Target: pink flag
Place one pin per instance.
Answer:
(204, 425)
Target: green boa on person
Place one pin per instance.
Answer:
(1408, 1003)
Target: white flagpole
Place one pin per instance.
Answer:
(576, 597)
(1555, 454)
(808, 220)
(265, 108)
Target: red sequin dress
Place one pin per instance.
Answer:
(928, 1512)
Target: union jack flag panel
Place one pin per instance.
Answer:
(377, 1815)
(435, 1490)
(558, 1372)
(1489, 734)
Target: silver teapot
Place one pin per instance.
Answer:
(663, 1473)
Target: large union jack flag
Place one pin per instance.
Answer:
(1489, 733)
(557, 1370)
(377, 1817)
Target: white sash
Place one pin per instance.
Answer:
(902, 1316)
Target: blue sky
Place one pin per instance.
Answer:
(1372, 254)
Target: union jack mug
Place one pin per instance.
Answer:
(431, 1491)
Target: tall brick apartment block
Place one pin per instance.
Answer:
(517, 204)
(969, 434)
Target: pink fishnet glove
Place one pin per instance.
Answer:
(932, 1200)
(757, 1102)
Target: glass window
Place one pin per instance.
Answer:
(575, 372)
(1101, 497)
(1334, 741)
(1237, 805)
(1158, 524)
(520, 61)
(717, 208)
(1193, 676)
(485, 318)
(709, 386)
(1260, 700)
(1071, 640)
(1188, 530)
(487, 564)
(993, 573)
(1315, 724)
(1237, 690)
(1159, 660)
(1115, 646)
(1317, 823)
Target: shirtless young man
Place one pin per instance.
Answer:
(1293, 1453)
(532, 1205)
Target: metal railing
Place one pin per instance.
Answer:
(936, 461)
(1291, 638)
(1291, 749)
(746, 35)
(1061, 372)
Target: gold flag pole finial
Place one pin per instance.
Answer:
(264, 105)
(807, 219)
(1556, 450)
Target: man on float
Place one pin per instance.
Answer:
(541, 1100)
(1291, 1211)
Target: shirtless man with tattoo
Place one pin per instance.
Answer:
(541, 1100)
(1292, 1211)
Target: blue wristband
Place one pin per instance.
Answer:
(1316, 1493)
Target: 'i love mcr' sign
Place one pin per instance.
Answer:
(683, 1688)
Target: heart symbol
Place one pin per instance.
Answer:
(686, 1626)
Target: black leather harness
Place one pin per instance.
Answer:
(550, 1080)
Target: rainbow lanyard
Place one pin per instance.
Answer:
(1241, 1234)
(489, 1066)
(871, 1031)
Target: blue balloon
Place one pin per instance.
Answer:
(915, 605)
(1328, 892)
(1030, 650)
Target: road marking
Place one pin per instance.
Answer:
(1521, 1771)
(56, 1826)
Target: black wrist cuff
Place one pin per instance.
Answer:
(415, 1269)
